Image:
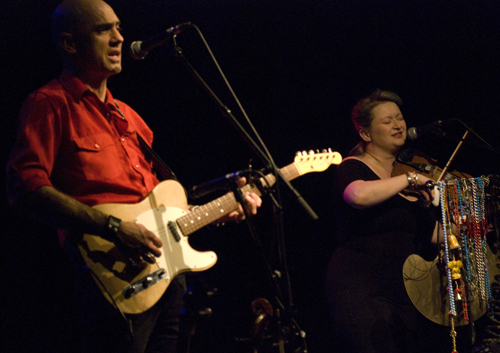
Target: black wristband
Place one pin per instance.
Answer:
(112, 227)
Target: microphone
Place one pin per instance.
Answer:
(225, 182)
(138, 50)
(415, 132)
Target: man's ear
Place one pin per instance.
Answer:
(365, 135)
(67, 43)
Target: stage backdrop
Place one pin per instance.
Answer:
(297, 67)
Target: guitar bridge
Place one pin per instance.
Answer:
(144, 283)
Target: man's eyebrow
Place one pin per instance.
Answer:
(107, 25)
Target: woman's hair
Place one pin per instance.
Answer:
(362, 117)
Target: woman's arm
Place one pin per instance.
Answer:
(363, 194)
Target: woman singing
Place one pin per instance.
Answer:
(378, 227)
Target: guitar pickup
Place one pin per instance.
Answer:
(173, 230)
(144, 283)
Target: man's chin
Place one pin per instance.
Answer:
(114, 70)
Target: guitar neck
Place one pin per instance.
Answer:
(203, 215)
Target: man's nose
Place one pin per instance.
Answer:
(117, 35)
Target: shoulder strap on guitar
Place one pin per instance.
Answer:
(162, 169)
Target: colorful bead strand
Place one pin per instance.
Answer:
(442, 190)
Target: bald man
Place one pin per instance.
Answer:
(78, 147)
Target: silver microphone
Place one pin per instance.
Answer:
(415, 132)
(138, 49)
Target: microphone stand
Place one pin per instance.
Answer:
(178, 53)
(228, 114)
(484, 145)
(468, 142)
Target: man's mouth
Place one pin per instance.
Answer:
(115, 55)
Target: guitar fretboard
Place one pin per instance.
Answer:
(201, 216)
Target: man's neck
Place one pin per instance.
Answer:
(96, 86)
(95, 83)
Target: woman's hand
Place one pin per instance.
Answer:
(423, 185)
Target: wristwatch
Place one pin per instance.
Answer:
(112, 227)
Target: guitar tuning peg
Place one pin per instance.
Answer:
(298, 153)
(311, 152)
(304, 153)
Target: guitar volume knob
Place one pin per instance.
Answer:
(129, 292)
(147, 281)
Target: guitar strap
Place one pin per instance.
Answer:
(162, 170)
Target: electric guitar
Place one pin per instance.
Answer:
(134, 283)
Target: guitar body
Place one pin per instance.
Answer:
(115, 270)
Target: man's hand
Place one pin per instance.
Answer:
(139, 237)
(252, 203)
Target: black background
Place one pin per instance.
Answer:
(297, 67)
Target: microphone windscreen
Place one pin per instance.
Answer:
(412, 133)
(135, 50)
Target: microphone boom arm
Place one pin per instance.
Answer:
(228, 114)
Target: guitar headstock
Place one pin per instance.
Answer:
(308, 162)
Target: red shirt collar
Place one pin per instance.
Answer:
(77, 88)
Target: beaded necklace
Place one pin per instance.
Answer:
(454, 207)
(480, 227)
(463, 204)
(442, 194)
(453, 268)
(477, 233)
(462, 229)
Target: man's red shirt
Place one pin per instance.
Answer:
(71, 140)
